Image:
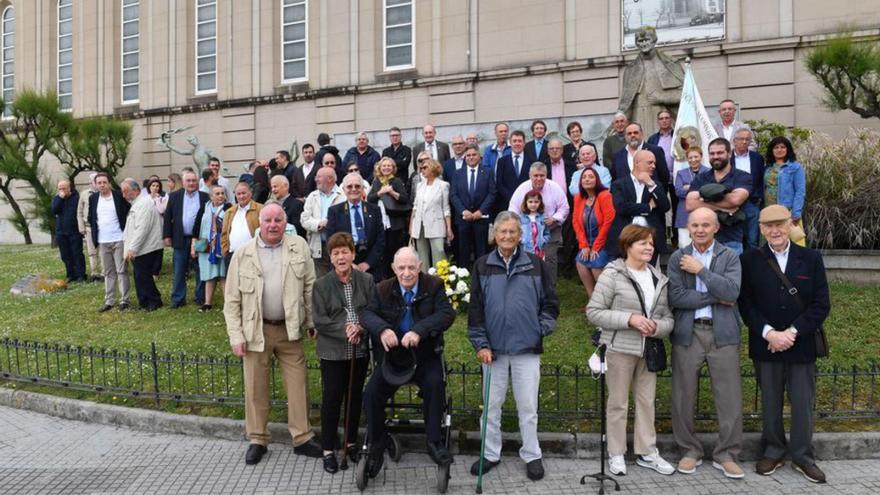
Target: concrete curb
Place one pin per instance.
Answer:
(828, 446)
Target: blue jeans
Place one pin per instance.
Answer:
(182, 263)
(752, 236)
(735, 245)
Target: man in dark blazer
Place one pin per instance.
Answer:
(536, 149)
(753, 163)
(472, 199)
(303, 181)
(782, 338)
(400, 153)
(438, 149)
(643, 201)
(369, 236)
(634, 142)
(183, 216)
(410, 311)
(109, 239)
(456, 160)
(512, 170)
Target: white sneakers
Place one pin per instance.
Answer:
(655, 462)
(617, 465)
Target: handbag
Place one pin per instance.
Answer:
(821, 338)
(655, 350)
(201, 246)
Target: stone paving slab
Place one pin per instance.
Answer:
(42, 454)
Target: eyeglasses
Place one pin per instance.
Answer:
(422, 160)
(352, 170)
(354, 186)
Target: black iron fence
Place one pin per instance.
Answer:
(568, 394)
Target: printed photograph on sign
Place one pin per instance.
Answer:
(676, 21)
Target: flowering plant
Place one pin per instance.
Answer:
(457, 282)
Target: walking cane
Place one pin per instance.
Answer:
(483, 429)
(343, 465)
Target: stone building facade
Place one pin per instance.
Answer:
(249, 75)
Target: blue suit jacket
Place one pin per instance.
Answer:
(484, 193)
(763, 299)
(449, 170)
(757, 171)
(507, 181)
(339, 220)
(620, 166)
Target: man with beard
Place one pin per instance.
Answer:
(738, 185)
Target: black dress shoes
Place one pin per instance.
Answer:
(439, 454)
(309, 449)
(535, 470)
(105, 308)
(330, 463)
(254, 454)
(487, 466)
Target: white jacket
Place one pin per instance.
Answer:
(311, 217)
(143, 228)
(430, 210)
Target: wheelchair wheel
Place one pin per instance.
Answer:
(361, 476)
(442, 478)
(393, 448)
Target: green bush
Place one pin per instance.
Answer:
(765, 131)
(842, 208)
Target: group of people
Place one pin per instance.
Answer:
(339, 249)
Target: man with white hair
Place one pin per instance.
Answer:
(82, 218)
(142, 243)
(617, 140)
(67, 235)
(364, 155)
(409, 311)
(314, 216)
(268, 310)
(293, 207)
(513, 307)
(438, 149)
(363, 221)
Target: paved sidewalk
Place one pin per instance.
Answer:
(45, 455)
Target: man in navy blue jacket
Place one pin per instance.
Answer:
(622, 161)
(511, 171)
(70, 241)
(183, 216)
(752, 163)
(782, 338)
(364, 222)
(472, 198)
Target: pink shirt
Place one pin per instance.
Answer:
(557, 170)
(555, 200)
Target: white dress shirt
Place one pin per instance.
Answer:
(640, 192)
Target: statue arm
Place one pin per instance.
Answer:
(167, 144)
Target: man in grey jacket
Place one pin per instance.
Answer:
(142, 243)
(704, 283)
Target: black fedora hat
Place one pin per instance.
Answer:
(399, 365)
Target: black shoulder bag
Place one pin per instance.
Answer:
(821, 339)
(655, 350)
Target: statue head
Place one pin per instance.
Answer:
(646, 39)
(193, 140)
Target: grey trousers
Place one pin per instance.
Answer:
(430, 251)
(115, 272)
(523, 372)
(551, 252)
(799, 380)
(726, 389)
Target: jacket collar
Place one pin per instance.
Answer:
(520, 262)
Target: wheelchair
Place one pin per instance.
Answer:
(408, 424)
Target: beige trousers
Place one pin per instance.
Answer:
(115, 272)
(292, 361)
(625, 370)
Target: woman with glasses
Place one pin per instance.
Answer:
(416, 177)
(431, 220)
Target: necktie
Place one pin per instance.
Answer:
(359, 224)
(406, 323)
(516, 164)
(472, 189)
(538, 145)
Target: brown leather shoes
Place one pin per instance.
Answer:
(768, 466)
(811, 472)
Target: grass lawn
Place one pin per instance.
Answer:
(71, 317)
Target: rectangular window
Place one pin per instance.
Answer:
(130, 51)
(294, 32)
(65, 55)
(399, 20)
(8, 59)
(206, 46)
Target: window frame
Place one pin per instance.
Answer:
(198, 5)
(122, 68)
(412, 43)
(7, 112)
(59, 51)
(305, 41)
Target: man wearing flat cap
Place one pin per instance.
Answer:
(411, 311)
(784, 301)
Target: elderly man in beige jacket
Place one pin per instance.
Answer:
(268, 306)
(142, 243)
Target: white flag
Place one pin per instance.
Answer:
(692, 125)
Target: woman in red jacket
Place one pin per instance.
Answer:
(591, 219)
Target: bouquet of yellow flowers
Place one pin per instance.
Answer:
(457, 281)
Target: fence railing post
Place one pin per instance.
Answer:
(154, 358)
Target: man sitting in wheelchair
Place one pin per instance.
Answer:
(411, 311)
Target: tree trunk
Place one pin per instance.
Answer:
(18, 216)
